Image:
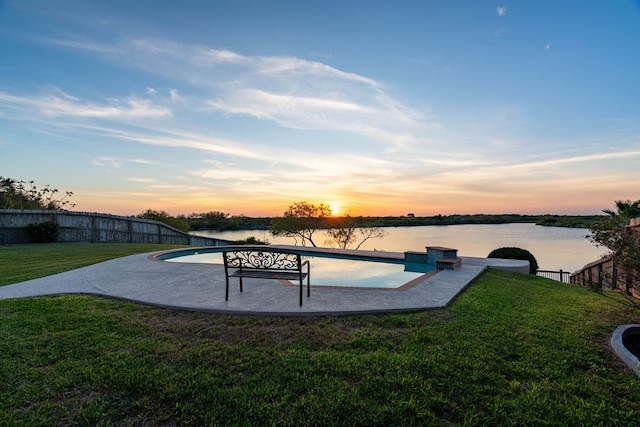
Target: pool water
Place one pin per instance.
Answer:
(336, 271)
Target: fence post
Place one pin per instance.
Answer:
(600, 276)
(130, 230)
(94, 229)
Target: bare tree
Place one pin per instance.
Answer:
(344, 231)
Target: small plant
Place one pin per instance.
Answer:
(516, 253)
(344, 231)
(45, 232)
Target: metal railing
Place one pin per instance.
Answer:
(559, 276)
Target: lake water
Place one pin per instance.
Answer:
(554, 248)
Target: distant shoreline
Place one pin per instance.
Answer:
(263, 223)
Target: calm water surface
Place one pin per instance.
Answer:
(331, 271)
(555, 248)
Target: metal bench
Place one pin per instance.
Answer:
(265, 263)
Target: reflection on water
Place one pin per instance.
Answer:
(344, 272)
(555, 248)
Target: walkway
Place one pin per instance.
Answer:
(201, 287)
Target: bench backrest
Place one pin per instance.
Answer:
(262, 258)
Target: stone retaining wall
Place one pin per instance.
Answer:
(97, 228)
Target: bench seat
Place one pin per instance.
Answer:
(268, 274)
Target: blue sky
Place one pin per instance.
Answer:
(373, 107)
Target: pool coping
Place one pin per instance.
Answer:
(200, 287)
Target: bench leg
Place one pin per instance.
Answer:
(226, 292)
(300, 293)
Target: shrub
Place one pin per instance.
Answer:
(516, 253)
(251, 241)
(45, 232)
(25, 195)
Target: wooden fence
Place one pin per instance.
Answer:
(96, 227)
(605, 274)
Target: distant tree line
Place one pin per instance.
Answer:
(222, 222)
(573, 221)
(212, 220)
(216, 220)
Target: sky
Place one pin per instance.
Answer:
(372, 107)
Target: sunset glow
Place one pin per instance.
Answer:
(422, 107)
(335, 209)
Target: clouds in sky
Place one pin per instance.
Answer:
(58, 103)
(292, 92)
(183, 119)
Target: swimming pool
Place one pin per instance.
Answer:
(330, 269)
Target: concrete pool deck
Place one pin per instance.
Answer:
(189, 286)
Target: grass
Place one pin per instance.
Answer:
(511, 350)
(25, 262)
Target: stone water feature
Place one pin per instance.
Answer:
(440, 257)
(625, 341)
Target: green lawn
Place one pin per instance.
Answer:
(511, 350)
(24, 262)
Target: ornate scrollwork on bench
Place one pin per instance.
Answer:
(264, 259)
(265, 263)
